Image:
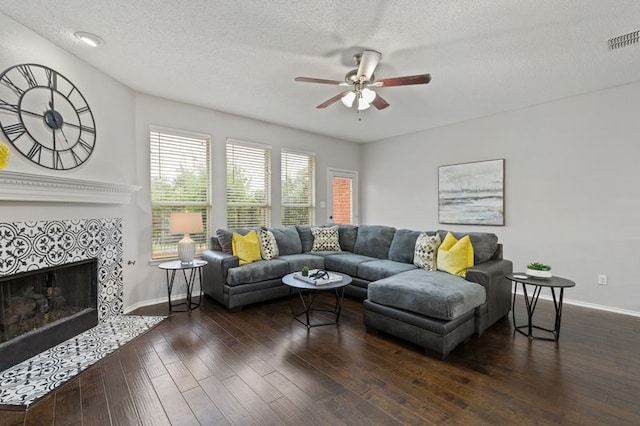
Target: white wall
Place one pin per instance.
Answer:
(572, 197)
(121, 154)
(161, 112)
(112, 159)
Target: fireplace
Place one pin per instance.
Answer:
(44, 307)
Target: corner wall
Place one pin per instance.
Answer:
(571, 196)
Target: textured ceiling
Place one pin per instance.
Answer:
(241, 56)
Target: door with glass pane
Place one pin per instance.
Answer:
(342, 196)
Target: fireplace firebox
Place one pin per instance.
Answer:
(42, 308)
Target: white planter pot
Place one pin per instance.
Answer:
(539, 274)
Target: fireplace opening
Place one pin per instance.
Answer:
(42, 308)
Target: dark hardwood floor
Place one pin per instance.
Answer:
(259, 367)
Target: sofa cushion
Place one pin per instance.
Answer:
(347, 235)
(484, 244)
(433, 294)
(378, 269)
(297, 261)
(306, 237)
(426, 251)
(268, 244)
(325, 239)
(225, 238)
(403, 245)
(288, 240)
(347, 263)
(257, 271)
(374, 241)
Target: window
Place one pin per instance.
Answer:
(297, 188)
(248, 184)
(180, 181)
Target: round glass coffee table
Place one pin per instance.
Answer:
(311, 290)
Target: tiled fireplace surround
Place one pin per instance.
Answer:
(26, 246)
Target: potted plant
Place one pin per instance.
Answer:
(539, 270)
(305, 271)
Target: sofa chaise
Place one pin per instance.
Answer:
(433, 309)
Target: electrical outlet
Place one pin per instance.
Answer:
(602, 279)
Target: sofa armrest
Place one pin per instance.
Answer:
(215, 272)
(491, 275)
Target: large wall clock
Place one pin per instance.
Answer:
(45, 117)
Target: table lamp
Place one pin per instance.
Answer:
(186, 223)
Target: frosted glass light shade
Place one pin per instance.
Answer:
(368, 95)
(186, 223)
(347, 100)
(364, 101)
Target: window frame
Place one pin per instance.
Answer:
(310, 205)
(170, 240)
(265, 205)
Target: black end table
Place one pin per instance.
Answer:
(531, 301)
(189, 272)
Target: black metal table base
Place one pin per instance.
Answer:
(189, 279)
(308, 307)
(531, 302)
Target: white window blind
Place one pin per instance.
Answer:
(248, 184)
(180, 181)
(297, 188)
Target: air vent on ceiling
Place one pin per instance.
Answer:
(624, 40)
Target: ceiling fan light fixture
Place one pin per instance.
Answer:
(362, 104)
(348, 98)
(368, 95)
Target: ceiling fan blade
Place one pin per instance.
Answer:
(331, 101)
(403, 81)
(379, 103)
(368, 63)
(318, 80)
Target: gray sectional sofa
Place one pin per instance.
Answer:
(435, 310)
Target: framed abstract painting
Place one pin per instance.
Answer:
(471, 193)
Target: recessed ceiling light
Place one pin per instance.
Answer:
(89, 39)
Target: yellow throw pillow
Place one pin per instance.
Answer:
(455, 256)
(247, 248)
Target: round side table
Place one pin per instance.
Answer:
(189, 271)
(531, 301)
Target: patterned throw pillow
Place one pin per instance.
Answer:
(326, 239)
(426, 251)
(268, 244)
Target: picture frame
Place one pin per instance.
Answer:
(472, 193)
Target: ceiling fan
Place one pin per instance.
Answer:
(361, 81)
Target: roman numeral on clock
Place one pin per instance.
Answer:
(52, 78)
(35, 152)
(26, 72)
(14, 129)
(6, 81)
(8, 107)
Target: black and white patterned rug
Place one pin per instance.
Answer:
(25, 383)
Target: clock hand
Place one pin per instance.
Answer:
(31, 113)
(64, 136)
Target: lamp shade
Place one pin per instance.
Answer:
(185, 223)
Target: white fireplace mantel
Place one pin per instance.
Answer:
(15, 186)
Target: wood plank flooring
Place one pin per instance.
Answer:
(259, 367)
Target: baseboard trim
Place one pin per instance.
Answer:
(157, 301)
(590, 305)
(519, 292)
